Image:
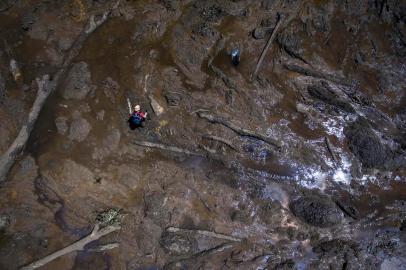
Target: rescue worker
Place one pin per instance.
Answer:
(137, 117)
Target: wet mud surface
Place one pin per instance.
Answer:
(330, 91)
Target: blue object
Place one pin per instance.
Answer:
(235, 56)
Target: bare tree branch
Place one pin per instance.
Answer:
(77, 246)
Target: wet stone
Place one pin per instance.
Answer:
(172, 98)
(178, 243)
(317, 211)
(61, 125)
(79, 129)
(365, 144)
(78, 82)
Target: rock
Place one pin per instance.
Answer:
(261, 32)
(61, 125)
(393, 263)
(68, 177)
(2, 88)
(365, 144)
(79, 129)
(316, 210)
(15, 70)
(178, 243)
(323, 92)
(110, 89)
(78, 83)
(100, 115)
(4, 221)
(172, 98)
(158, 109)
(338, 254)
(109, 145)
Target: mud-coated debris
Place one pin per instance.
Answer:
(4, 221)
(158, 109)
(78, 82)
(338, 254)
(316, 210)
(212, 13)
(61, 125)
(323, 92)
(178, 243)
(172, 98)
(365, 144)
(79, 129)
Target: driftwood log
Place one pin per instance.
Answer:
(46, 86)
(239, 130)
(77, 246)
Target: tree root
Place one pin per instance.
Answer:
(168, 148)
(45, 87)
(241, 131)
(77, 246)
(222, 140)
(318, 74)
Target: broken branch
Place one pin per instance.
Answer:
(77, 246)
(205, 233)
(241, 131)
(330, 149)
(266, 48)
(167, 148)
(222, 140)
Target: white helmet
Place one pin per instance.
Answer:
(137, 108)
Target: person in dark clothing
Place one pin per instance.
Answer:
(137, 117)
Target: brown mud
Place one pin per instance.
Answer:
(290, 208)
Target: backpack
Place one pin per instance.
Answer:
(135, 118)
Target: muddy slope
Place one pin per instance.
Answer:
(301, 166)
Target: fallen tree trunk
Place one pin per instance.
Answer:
(241, 131)
(45, 88)
(77, 246)
(168, 148)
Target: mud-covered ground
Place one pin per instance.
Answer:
(321, 186)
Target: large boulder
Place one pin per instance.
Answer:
(365, 145)
(316, 210)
